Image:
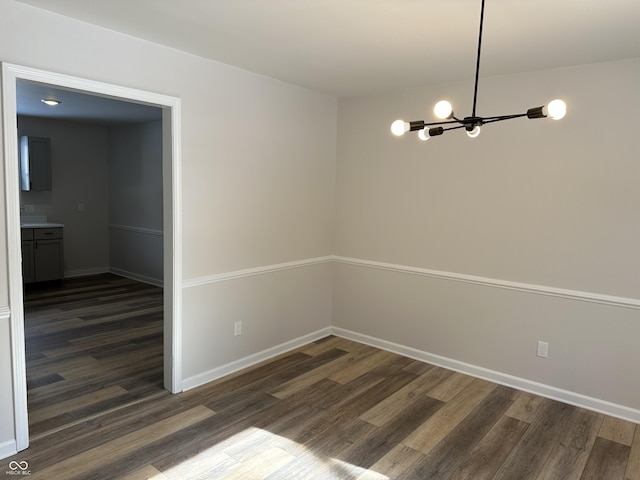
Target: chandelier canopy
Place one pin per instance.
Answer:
(556, 109)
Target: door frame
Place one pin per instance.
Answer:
(172, 223)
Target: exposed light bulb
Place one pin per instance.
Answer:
(475, 132)
(399, 127)
(556, 109)
(443, 109)
(51, 102)
(424, 135)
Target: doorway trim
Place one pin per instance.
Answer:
(172, 224)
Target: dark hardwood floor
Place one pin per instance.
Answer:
(92, 344)
(333, 409)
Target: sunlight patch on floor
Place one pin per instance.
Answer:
(236, 458)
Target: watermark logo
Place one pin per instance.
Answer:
(18, 468)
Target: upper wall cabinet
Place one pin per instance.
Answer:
(35, 163)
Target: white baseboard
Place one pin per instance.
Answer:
(116, 271)
(134, 276)
(8, 448)
(86, 271)
(565, 396)
(235, 366)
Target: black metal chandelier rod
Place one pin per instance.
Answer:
(556, 109)
(475, 88)
(468, 121)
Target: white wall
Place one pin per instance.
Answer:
(274, 308)
(135, 201)
(7, 434)
(545, 205)
(258, 184)
(79, 157)
(533, 202)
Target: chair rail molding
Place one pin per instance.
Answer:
(611, 300)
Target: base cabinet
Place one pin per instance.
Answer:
(42, 254)
(28, 273)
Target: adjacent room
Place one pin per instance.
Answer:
(337, 300)
(92, 259)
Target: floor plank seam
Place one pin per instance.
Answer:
(98, 415)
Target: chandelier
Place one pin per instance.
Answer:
(556, 109)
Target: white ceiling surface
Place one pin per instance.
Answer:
(350, 47)
(80, 106)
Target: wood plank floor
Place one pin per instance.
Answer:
(333, 409)
(92, 344)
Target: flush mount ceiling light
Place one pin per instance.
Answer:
(51, 102)
(556, 109)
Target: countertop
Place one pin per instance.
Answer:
(41, 225)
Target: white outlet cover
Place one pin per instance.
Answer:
(543, 349)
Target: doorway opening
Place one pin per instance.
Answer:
(93, 346)
(171, 221)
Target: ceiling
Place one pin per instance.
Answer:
(351, 47)
(80, 106)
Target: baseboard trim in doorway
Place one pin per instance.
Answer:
(137, 277)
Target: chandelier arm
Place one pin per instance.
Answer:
(453, 128)
(500, 118)
(475, 88)
(432, 124)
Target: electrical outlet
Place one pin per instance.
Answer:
(543, 349)
(29, 209)
(237, 328)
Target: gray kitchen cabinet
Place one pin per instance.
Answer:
(35, 163)
(42, 254)
(28, 273)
